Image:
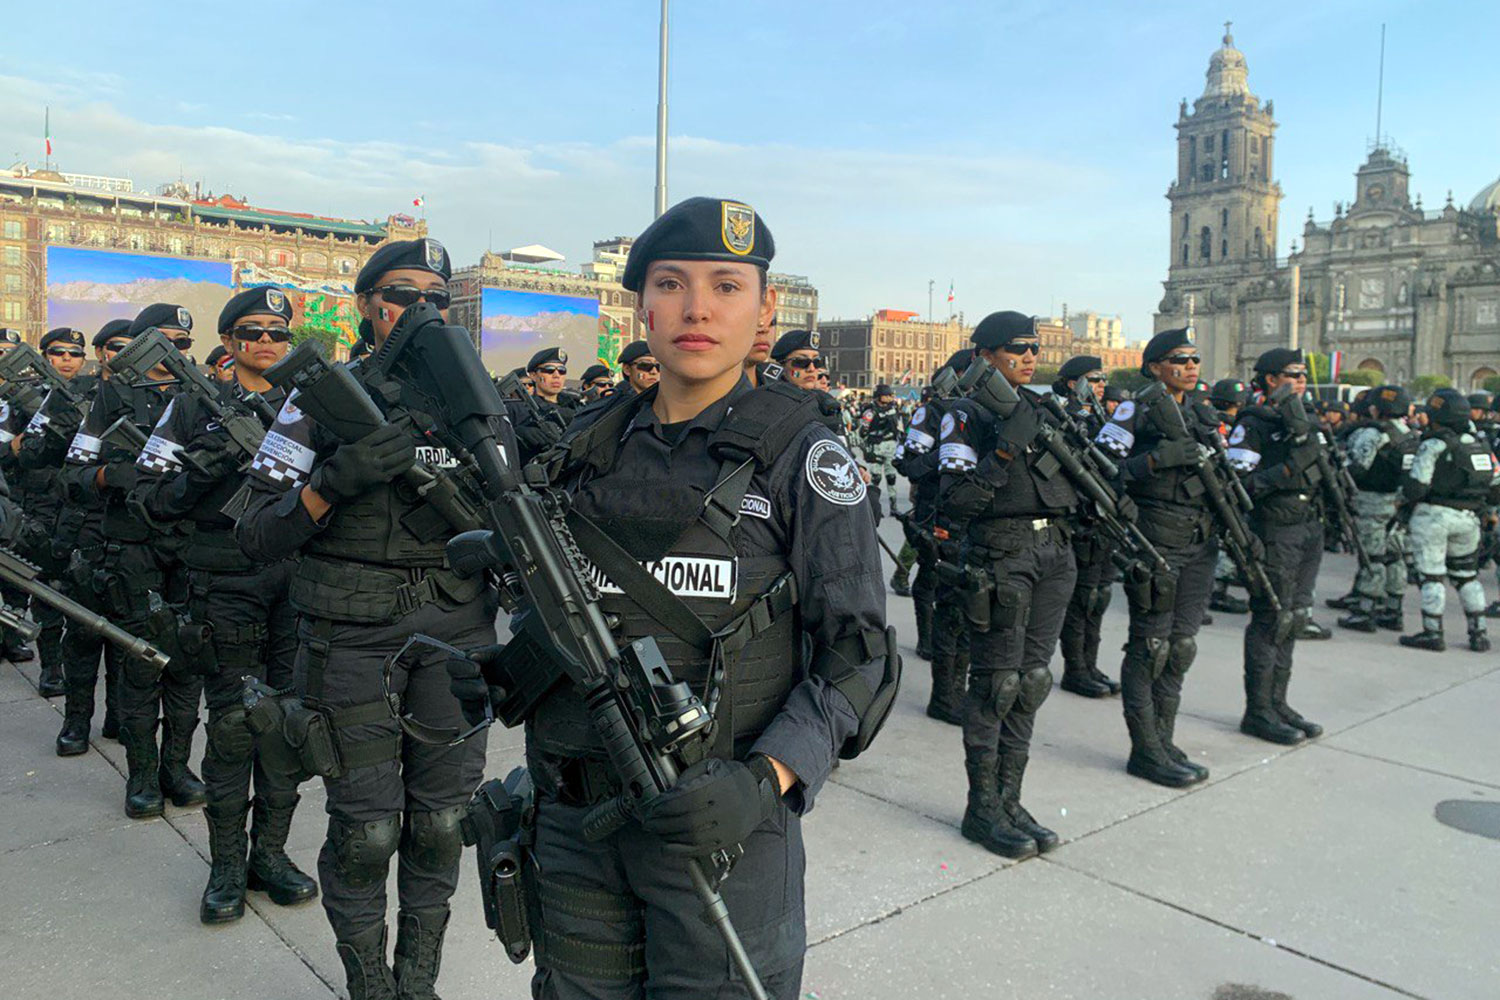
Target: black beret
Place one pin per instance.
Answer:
(547, 356)
(215, 356)
(1229, 392)
(1079, 367)
(1479, 401)
(9, 336)
(1163, 344)
(62, 334)
(794, 340)
(1117, 394)
(163, 315)
(960, 360)
(109, 331)
(634, 351)
(700, 229)
(883, 390)
(999, 329)
(417, 255)
(596, 371)
(1278, 358)
(252, 301)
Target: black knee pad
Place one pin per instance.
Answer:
(1184, 649)
(997, 690)
(432, 841)
(229, 738)
(1157, 653)
(1102, 596)
(1035, 684)
(1464, 565)
(362, 851)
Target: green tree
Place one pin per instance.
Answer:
(1362, 376)
(1128, 378)
(329, 338)
(1045, 375)
(1425, 385)
(1491, 384)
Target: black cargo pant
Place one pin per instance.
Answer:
(1293, 554)
(131, 572)
(647, 937)
(254, 633)
(1091, 593)
(51, 555)
(950, 629)
(413, 800)
(1009, 677)
(81, 649)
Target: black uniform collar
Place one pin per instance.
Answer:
(712, 416)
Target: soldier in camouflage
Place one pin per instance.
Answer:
(1380, 452)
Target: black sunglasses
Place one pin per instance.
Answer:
(1095, 378)
(1293, 373)
(116, 346)
(1021, 348)
(1183, 359)
(183, 343)
(64, 352)
(551, 370)
(278, 334)
(645, 366)
(601, 383)
(801, 363)
(409, 295)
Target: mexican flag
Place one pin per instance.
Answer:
(47, 130)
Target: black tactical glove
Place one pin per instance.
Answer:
(472, 682)
(714, 805)
(1127, 509)
(1018, 430)
(354, 469)
(121, 475)
(1175, 452)
(1257, 550)
(212, 461)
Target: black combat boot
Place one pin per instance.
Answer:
(142, 787)
(15, 649)
(271, 871)
(51, 684)
(899, 586)
(1148, 758)
(1012, 771)
(943, 705)
(419, 952)
(110, 728)
(178, 782)
(1091, 641)
(1166, 725)
(924, 629)
(1223, 600)
(985, 820)
(1345, 603)
(1281, 678)
(73, 739)
(1431, 636)
(1361, 618)
(1493, 611)
(1077, 677)
(1479, 637)
(363, 955)
(1310, 629)
(1261, 718)
(49, 648)
(224, 898)
(1389, 615)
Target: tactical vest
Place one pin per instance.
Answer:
(211, 544)
(1180, 484)
(885, 425)
(1391, 460)
(1037, 487)
(382, 554)
(1464, 472)
(745, 600)
(144, 407)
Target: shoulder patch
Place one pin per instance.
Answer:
(756, 506)
(1125, 410)
(833, 474)
(1237, 435)
(950, 424)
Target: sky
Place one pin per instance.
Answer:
(1020, 151)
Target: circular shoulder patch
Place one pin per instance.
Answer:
(920, 415)
(1237, 435)
(950, 423)
(1125, 410)
(831, 471)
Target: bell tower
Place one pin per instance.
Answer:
(1224, 201)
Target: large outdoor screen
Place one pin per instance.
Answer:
(515, 325)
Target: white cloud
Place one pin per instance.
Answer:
(869, 226)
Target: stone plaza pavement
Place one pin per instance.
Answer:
(1320, 872)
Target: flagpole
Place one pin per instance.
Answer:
(47, 137)
(661, 117)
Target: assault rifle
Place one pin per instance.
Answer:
(24, 364)
(1334, 480)
(510, 386)
(333, 398)
(22, 575)
(642, 714)
(18, 623)
(244, 419)
(1226, 496)
(126, 436)
(1084, 465)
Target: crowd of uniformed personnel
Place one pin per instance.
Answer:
(286, 581)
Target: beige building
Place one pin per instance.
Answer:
(124, 250)
(1094, 327)
(889, 346)
(796, 302)
(1397, 289)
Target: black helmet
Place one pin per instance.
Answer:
(1450, 408)
(1389, 400)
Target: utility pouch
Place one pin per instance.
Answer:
(1012, 607)
(309, 733)
(527, 672)
(162, 625)
(265, 717)
(500, 825)
(196, 640)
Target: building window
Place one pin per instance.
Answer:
(136, 242)
(1208, 171)
(175, 245)
(1224, 217)
(1187, 226)
(13, 312)
(346, 266)
(12, 256)
(1205, 244)
(1223, 249)
(12, 229)
(1184, 253)
(1260, 243)
(833, 339)
(1255, 144)
(12, 282)
(1208, 144)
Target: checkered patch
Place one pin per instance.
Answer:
(85, 449)
(282, 461)
(160, 456)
